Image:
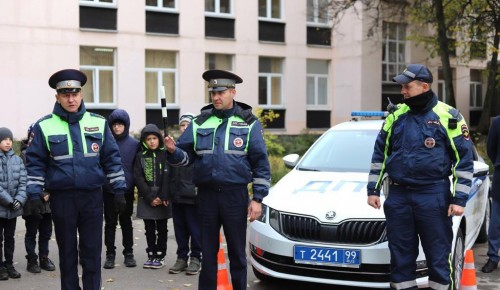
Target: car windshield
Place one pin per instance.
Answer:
(341, 151)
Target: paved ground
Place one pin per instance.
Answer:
(122, 278)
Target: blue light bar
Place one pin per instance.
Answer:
(369, 114)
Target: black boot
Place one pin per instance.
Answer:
(3, 274)
(12, 272)
(32, 266)
(46, 264)
(110, 261)
(129, 260)
(490, 266)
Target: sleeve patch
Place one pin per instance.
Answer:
(465, 132)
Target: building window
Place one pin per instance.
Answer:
(476, 90)
(318, 18)
(318, 112)
(162, 16)
(271, 25)
(162, 4)
(218, 7)
(98, 14)
(216, 61)
(219, 19)
(98, 63)
(270, 82)
(393, 51)
(98, 2)
(270, 9)
(318, 12)
(161, 72)
(317, 83)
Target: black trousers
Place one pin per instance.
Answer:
(156, 237)
(111, 219)
(41, 227)
(78, 213)
(7, 243)
(226, 208)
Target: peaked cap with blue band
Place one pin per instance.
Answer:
(68, 81)
(220, 80)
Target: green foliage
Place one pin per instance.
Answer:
(278, 169)
(273, 147)
(298, 143)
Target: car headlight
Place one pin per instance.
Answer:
(274, 219)
(263, 216)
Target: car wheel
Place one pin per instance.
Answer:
(458, 259)
(483, 232)
(260, 276)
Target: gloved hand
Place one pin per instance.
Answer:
(15, 205)
(120, 203)
(34, 207)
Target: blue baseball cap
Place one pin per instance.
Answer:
(414, 72)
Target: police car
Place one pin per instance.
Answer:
(317, 226)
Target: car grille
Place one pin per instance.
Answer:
(308, 229)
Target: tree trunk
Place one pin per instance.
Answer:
(490, 107)
(444, 52)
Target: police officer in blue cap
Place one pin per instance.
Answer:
(71, 155)
(226, 145)
(421, 144)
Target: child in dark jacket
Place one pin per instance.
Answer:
(153, 206)
(119, 123)
(37, 224)
(183, 195)
(12, 198)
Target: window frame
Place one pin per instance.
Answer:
(269, 77)
(386, 63)
(217, 12)
(316, 105)
(316, 23)
(269, 13)
(159, 80)
(160, 8)
(473, 85)
(98, 3)
(96, 89)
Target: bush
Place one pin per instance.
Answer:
(278, 169)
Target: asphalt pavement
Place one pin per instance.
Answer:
(123, 278)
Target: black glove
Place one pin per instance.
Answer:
(120, 203)
(34, 207)
(15, 205)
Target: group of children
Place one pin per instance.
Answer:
(163, 192)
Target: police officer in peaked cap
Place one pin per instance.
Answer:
(71, 155)
(225, 162)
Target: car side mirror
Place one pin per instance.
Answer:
(291, 160)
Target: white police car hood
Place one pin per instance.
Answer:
(317, 194)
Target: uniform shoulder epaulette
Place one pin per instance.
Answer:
(96, 115)
(46, 117)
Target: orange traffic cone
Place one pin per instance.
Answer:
(468, 281)
(223, 282)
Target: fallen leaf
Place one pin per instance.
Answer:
(187, 285)
(110, 280)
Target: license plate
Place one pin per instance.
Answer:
(327, 256)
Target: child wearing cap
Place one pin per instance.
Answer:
(153, 206)
(183, 194)
(12, 198)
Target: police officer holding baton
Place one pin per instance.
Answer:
(226, 144)
(72, 153)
